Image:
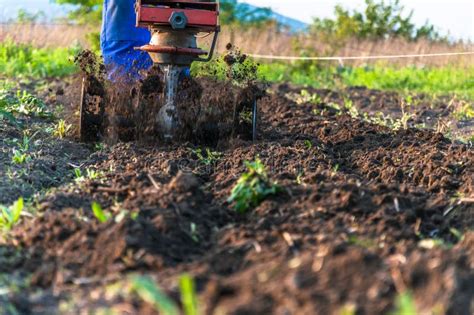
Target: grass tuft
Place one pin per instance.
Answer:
(188, 295)
(9, 216)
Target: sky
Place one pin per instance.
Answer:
(453, 16)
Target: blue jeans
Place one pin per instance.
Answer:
(118, 38)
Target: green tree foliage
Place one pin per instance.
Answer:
(25, 17)
(379, 20)
(87, 11)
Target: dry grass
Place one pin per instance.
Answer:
(45, 35)
(273, 42)
(267, 41)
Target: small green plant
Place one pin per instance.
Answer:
(308, 144)
(233, 66)
(457, 234)
(207, 157)
(99, 213)
(31, 105)
(78, 174)
(252, 187)
(404, 305)
(403, 121)
(348, 309)
(194, 232)
(61, 129)
(90, 174)
(151, 293)
(306, 97)
(93, 174)
(299, 178)
(362, 242)
(9, 216)
(188, 295)
(100, 146)
(351, 108)
(464, 111)
(20, 157)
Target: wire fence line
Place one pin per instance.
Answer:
(343, 58)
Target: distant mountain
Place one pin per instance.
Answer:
(293, 24)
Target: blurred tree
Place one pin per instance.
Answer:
(26, 17)
(87, 11)
(379, 20)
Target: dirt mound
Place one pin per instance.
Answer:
(174, 225)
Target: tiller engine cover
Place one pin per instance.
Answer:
(174, 25)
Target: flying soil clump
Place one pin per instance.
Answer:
(211, 108)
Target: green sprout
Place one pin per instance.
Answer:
(90, 174)
(252, 187)
(9, 216)
(351, 108)
(151, 293)
(20, 157)
(61, 129)
(404, 305)
(99, 213)
(307, 97)
(207, 157)
(188, 295)
(78, 173)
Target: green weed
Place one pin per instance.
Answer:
(362, 242)
(351, 108)
(61, 129)
(20, 154)
(233, 66)
(78, 174)
(404, 305)
(90, 174)
(99, 213)
(194, 232)
(188, 295)
(464, 111)
(252, 187)
(348, 309)
(151, 293)
(207, 157)
(9, 216)
(23, 60)
(20, 157)
(306, 97)
(21, 103)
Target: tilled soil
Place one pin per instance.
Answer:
(365, 215)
